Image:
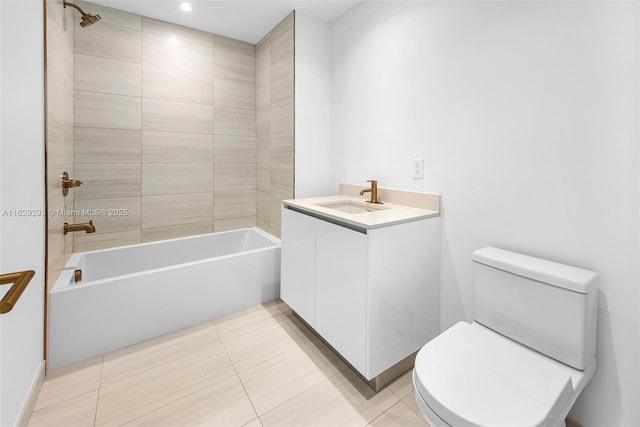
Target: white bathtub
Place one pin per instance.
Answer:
(133, 293)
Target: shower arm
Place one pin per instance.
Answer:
(66, 3)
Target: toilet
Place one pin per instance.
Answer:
(526, 357)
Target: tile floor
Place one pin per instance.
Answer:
(257, 367)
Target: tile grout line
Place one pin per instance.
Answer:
(95, 414)
(237, 375)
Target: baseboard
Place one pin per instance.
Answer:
(32, 397)
(570, 422)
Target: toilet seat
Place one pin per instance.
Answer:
(472, 376)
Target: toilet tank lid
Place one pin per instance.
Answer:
(553, 273)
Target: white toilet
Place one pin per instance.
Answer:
(527, 356)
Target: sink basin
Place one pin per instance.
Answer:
(350, 207)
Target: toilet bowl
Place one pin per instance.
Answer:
(526, 357)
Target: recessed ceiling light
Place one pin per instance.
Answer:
(185, 7)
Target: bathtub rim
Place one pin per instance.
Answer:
(65, 279)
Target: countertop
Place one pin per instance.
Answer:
(391, 214)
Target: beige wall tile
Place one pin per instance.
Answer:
(282, 175)
(234, 176)
(234, 93)
(263, 94)
(174, 209)
(234, 59)
(110, 15)
(176, 85)
(95, 145)
(282, 117)
(107, 181)
(100, 110)
(109, 42)
(283, 26)
(172, 147)
(239, 149)
(282, 83)
(110, 215)
(263, 223)
(281, 44)
(234, 223)
(95, 241)
(263, 204)
(176, 178)
(169, 51)
(282, 148)
(263, 121)
(263, 60)
(234, 204)
(56, 93)
(234, 121)
(263, 176)
(181, 34)
(59, 142)
(172, 116)
(174, 231)
(96, 74)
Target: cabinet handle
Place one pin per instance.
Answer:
(20, 281)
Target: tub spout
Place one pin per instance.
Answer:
(88, 227)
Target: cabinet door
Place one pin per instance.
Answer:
(341, 274)
(298, 253)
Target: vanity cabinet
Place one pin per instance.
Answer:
(371, 293)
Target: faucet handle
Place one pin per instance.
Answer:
(373, 181)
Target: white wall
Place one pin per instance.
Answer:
(21, 187)
(526, 114)
(312, 107)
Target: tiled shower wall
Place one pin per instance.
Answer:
(275, 122)
(165, 130)
(59, 132)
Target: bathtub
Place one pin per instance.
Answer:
(133, 293)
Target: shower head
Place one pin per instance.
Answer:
(87, 18)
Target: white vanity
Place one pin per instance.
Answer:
(365, 276)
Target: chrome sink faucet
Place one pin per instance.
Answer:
(373, 190)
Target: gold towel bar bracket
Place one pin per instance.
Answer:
(20, 281)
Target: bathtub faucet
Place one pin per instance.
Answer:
(89, 228)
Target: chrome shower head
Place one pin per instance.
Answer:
(87, 18)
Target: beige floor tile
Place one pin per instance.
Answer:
(259, 346)
(399, 415)
(119, 365)
(281, 371)
(410, 401)
(70, 382)
(403, 385)
(222, 404)
(254, 423)
(146, 391)
(235, 327)
(342, 400)
(78, 411)
(283, 377)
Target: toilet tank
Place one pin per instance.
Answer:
(547, 306)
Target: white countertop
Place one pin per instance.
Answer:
(390, 214)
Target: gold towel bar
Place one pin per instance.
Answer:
(20, 281)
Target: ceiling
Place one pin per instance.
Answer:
(247, 20)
